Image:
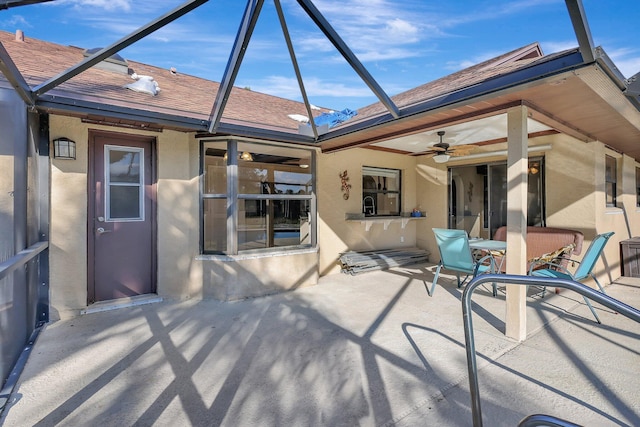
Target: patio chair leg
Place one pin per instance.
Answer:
(435, 280)
(461, 282)
(598, 283)
(593, 311)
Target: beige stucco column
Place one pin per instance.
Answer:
(517, 162)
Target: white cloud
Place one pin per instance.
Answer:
(468, 62)
(629, 67)
(373, 29)
(558, 46)
(390, 53)
(17, 21)
(286, 87)
(109, 5)
(400, 29)
(627, 60)
(491, 11)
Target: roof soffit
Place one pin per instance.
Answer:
(583, 102)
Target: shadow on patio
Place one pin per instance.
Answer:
(368, 350)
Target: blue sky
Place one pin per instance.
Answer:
(403, 43)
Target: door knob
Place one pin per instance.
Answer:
(101, 230)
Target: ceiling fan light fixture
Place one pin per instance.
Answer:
(441, 158)
(246, 156)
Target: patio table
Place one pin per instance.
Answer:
(492, 247)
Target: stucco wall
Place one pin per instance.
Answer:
(233, 278)
(178, 217)
(68, 221)
(571, 184)
(177, 189)
(574, 191)
(431, 192)
(335, 233)
(182, 272)
(574, 199)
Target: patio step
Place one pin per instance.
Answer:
(360, 262)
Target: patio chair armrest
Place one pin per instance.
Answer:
(553, 265)
(482, 261)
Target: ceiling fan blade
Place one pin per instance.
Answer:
(461, 150)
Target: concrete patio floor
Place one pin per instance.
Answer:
(367, 350)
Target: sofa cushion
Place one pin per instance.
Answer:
(541, 240)
(545, 240)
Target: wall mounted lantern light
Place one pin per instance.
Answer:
(64, 148)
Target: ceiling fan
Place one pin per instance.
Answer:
(442, 151)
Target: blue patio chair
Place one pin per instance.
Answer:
(584, 270)
(455, 255)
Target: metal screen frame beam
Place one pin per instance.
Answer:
(11, 72)
(6, 4)
(294, 62)
(117, 46)
(21, 258)
(44, 222)
(347, 54)
(581, 28)
(251, 13)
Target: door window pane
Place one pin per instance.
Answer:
(124, 166)
(124, 202)
(124, 187)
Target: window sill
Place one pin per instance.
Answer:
(368, 221)
(613, 211)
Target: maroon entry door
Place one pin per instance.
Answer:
(121, 217)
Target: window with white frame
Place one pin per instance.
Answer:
(611, 180)
(256, 197)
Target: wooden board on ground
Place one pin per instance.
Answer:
(361, 262)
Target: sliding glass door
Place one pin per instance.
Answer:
(478, 197)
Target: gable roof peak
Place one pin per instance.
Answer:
(532, 50)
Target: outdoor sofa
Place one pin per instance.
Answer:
(547, 242)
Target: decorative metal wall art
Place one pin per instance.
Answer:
(345, 184)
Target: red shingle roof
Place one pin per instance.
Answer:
(475, 74)
(180, 94)
(193, 97)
